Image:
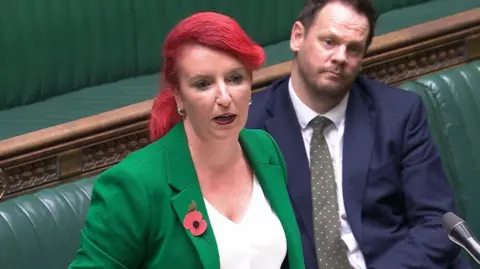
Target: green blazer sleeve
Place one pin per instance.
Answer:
(116, 224)
(279, 157)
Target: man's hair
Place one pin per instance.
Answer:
(363, 7)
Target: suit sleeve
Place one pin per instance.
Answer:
(427, 197)
(114, 233)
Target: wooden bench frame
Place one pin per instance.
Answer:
(90, 145)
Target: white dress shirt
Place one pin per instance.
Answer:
(258, 241)
(334, 137)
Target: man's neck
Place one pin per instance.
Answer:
(315, 101)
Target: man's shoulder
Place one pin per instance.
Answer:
(264, 99)
(261, 97)
(387, 97)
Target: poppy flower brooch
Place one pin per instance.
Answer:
(194, 221)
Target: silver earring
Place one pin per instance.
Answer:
(180, 112)
(250, 102)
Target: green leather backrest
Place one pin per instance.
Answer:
(453, 101)
(436, 123)
(42, 230)
(266, 21)
(51, 47)
(57, 46)
(383, 6)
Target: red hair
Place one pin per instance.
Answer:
(210, 29)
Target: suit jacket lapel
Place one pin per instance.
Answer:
(270, 177)
(185, 181)
(285, 129)
(358, 145)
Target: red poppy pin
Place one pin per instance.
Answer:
(194, 221)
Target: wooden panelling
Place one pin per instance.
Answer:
(86, 146)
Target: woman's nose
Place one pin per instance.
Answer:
(223, 97)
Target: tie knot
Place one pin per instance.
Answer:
(319, 123)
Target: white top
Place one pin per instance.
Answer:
(334, 137)
(257, 242)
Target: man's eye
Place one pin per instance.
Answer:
(329, 42)
(354, 50)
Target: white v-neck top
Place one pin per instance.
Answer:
(257, 242)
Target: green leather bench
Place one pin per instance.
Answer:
(452, 98)
(65, 59)
(42, 230)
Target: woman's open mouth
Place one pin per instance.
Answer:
(225, 119)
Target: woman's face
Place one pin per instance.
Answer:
(214, 91)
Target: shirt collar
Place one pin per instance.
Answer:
(306, 114)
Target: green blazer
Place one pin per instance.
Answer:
(135, 219)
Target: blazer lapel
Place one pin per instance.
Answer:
(285, 129)
(270, 177)
(358, 145)
(185, 181)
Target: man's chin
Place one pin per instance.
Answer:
(331, 85)
(331, 89)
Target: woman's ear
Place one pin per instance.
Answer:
(178, 96)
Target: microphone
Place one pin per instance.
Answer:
(460, 233)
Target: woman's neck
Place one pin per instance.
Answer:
(214, 155)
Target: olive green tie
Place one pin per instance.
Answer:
(331, 250)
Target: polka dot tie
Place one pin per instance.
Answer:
(331, 251)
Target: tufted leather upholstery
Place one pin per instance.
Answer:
(42, 230)
(452, 98)
(436, 124)
(53, 47)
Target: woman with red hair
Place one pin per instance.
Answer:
(206, 193)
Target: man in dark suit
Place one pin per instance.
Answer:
(365, 177)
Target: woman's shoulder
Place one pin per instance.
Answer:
(258, 137)
(261, 146)
(143, 156)
(257, 134)
(261, 141)
(143, 166)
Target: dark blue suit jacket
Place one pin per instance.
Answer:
(394, 188)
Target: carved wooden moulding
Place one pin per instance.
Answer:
(17, 179)
(25, 176)
(3, 183)
(111, 152)
(419, 63)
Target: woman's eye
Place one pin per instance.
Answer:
(237, 79)
(202, 84)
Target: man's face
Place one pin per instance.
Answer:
(329, 55)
